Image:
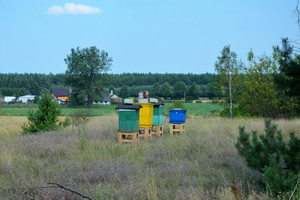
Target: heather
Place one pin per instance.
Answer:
(201, 164)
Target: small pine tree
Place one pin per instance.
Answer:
(277, 160)
(46, 117)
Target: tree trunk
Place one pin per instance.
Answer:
(230, 95)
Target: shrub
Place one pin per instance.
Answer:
(46, 117)
(177, 104)
(277, 160)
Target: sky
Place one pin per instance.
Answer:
(157, 36)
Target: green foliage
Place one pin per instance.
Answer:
(155, 90)
(259, 96)
(10, 84)
(177, 104)
(229, 80)
(279, 161)
(179, 89)
(289, 77)
(194, 91)
(124, 92)
(45, 118)
(165, 90)
(36, 99)
(84, 72)
(6, 91)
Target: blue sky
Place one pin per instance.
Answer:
(156, 36)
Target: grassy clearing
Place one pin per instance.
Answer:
(202, 164)
(93, 111)
(204, 109)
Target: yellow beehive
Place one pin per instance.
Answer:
(146, 115)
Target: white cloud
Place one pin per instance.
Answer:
(72, 8)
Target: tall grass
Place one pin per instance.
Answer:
(201, 164)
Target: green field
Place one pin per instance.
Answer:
(99, 110)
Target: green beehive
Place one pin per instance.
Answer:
(129, 118)
(158, 114)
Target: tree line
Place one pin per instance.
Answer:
(162, 85)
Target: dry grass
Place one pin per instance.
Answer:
(202, 164)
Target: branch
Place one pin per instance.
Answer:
(62, 192)
(294, 189)
(70, 190)
(297, 12)
(57, 185)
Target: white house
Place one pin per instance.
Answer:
(9, 99)
(26, 98)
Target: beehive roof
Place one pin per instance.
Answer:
(132, 107)
(158, 104)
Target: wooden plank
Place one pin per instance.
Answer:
(180, 128)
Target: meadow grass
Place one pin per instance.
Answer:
(205, 109)
(65, 111)
(201, 164)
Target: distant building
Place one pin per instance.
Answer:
(62, 95)
(105, 98)
(9, 99)
(26, 99)
(115, 98)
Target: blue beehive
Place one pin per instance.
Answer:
(177, 116)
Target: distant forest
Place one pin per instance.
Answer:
(14, 84)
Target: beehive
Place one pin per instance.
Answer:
(158, 114)
(146, 115)
(177, 116)
(128, 118)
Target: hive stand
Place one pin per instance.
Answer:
(177, 128)
(128, 137)
(157, 130)
(145, 133)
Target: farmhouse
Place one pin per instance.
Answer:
(62, 95)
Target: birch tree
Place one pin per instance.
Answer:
(228, 68)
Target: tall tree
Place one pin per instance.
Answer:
(165, 90)
(179, 89)
(194, 91)
(124, 92)
(228, 69)
(289, 76)
(155, 90)
(84, 69)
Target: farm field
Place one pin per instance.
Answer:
(201, 164)
(192, 109)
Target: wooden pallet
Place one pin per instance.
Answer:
(157, 130)
(145, 133)
(128, 137)
(177, 128)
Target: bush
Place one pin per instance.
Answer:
(277, 160)
(46, 117)
(177, 104)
